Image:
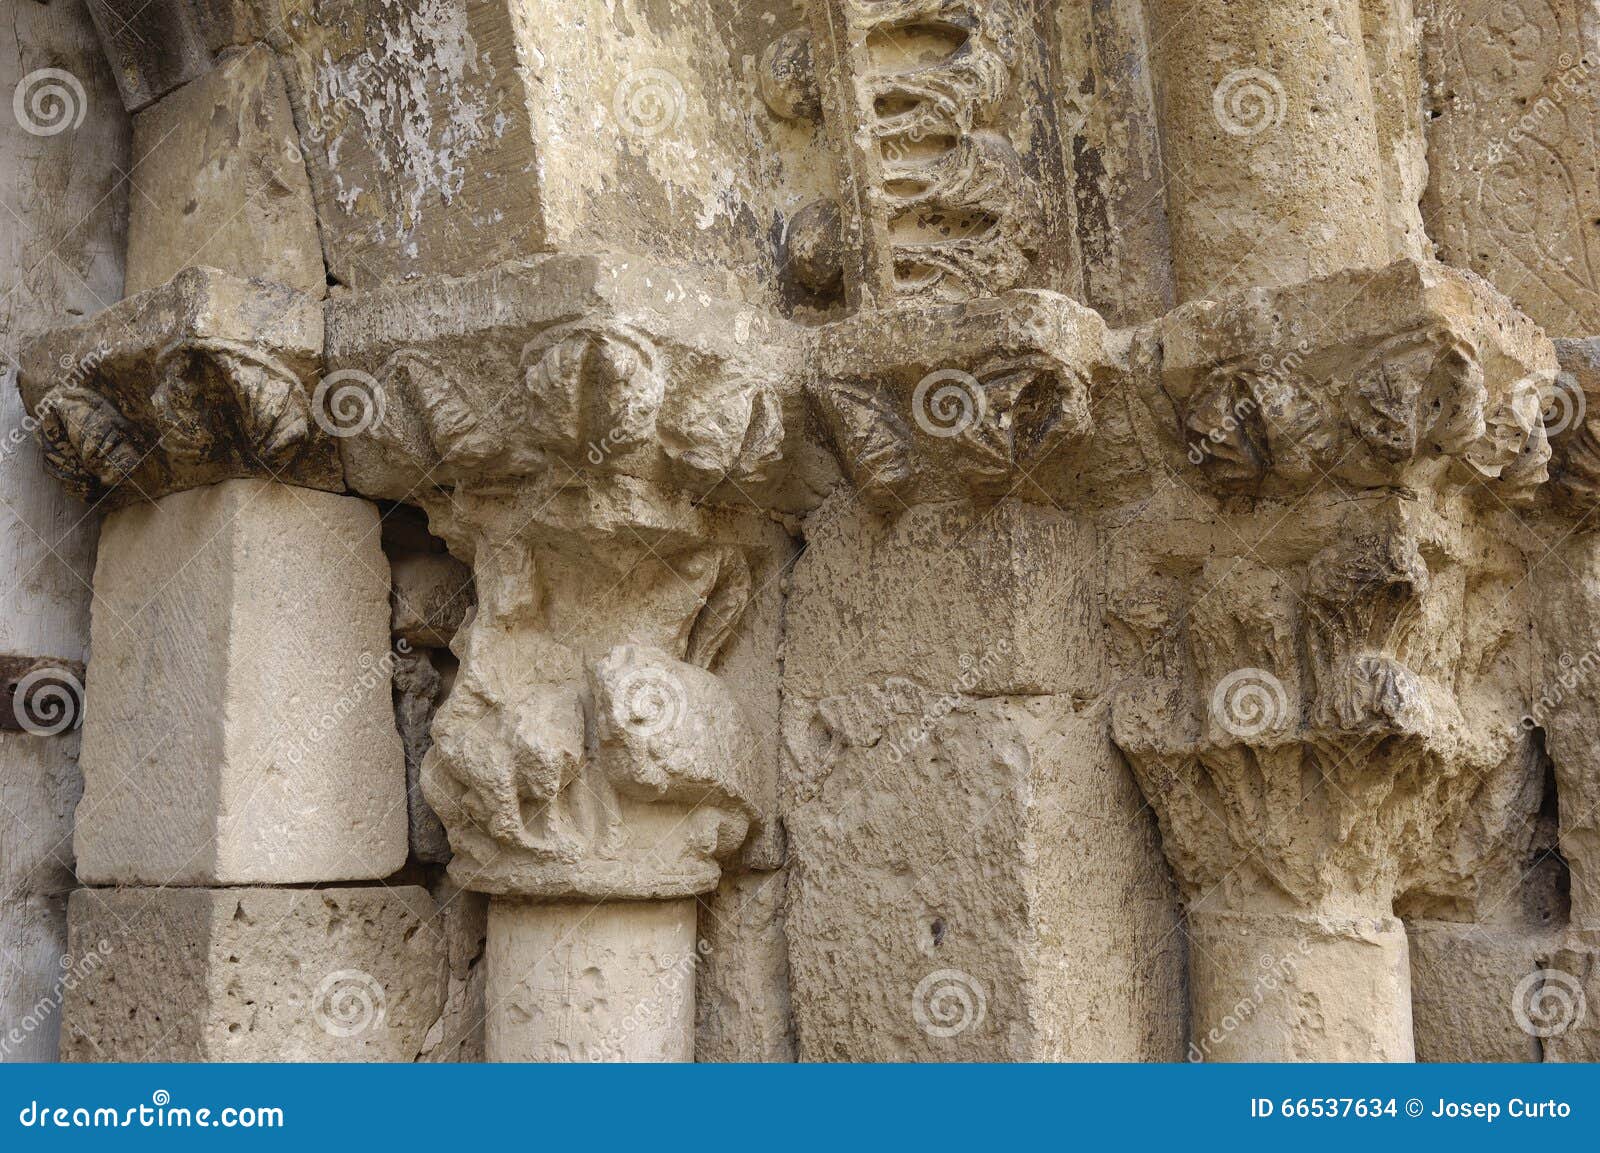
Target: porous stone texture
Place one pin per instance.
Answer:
(418, 689)
(205, 378)
(241, 730)
(874, 597)
(253, 974)
(1465, 980)
(1513, 99)
(39, 787)
(609, 982)
(742, 1006)
(463, 920)
(1299, 988)
(1049, 530)
(222, 182)
(432, 596)
(972, 880)
(62, 232)
(1269, 130)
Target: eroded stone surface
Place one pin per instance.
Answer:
(973, 880)
(1514, 179)
(206, 378)
(181, 974)
(611, 982)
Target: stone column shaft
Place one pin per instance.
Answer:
(588, 982)
(1270, 140)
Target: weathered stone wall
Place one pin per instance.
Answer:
(64, 142)
(827, 530)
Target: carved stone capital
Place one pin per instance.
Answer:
(1334, 727)
(206, 378)
(1414, 376)
(571, 363)
(585, 750)
(927, 401)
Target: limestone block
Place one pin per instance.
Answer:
(742, 989)
(206, 378)
(432, 596)
(611, 982)
(1560, 1003)
(1394, 54)
(918, 596)
(1514, 175)
(974, 880)
(239, 728)
(222, 182)
(39, 787)
(253, 974)
(1464, 982)
(1299, 987)
(1565, 704)
(46, 547)
(457, 1036)
(1115, 143)
(445, 138)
